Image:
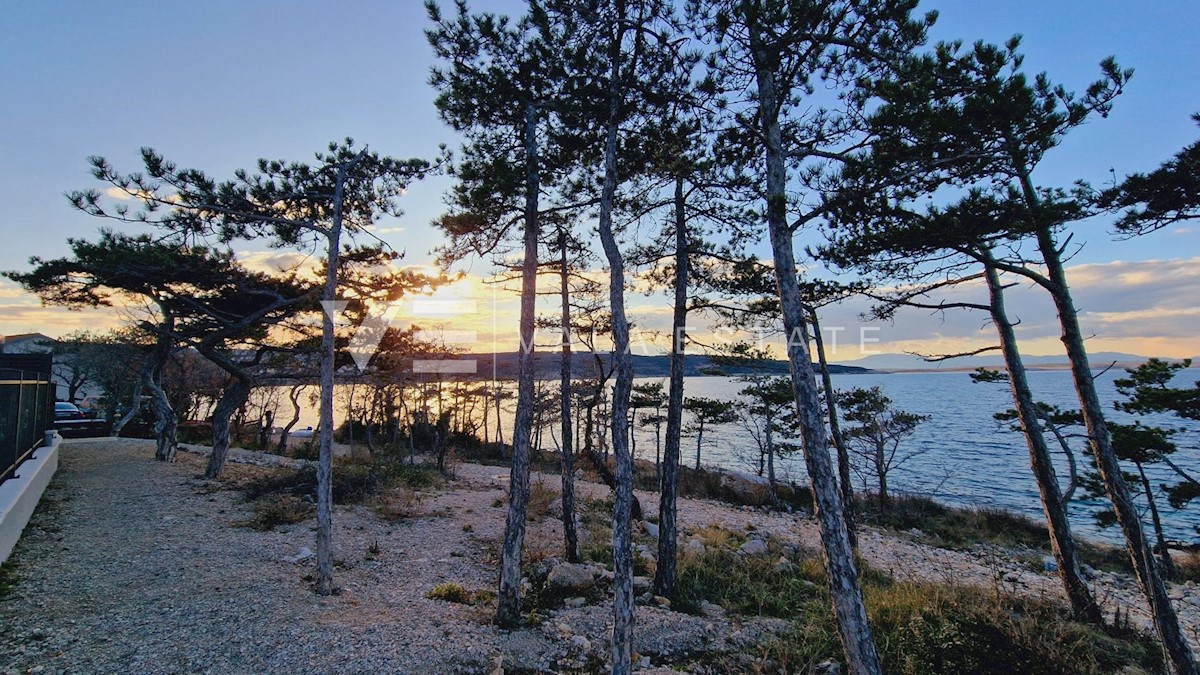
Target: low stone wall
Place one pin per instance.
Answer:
(19, 496)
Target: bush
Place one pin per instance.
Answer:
(352, 483)
(725, 487)
(954, 527)
(399, 504)
(279, 509)
(918, 627)
(450, 592)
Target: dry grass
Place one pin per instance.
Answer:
(543, 501)
(279, 509)
(398, 504)
(919, 627)
(453, 592)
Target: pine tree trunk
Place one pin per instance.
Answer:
(840, 566)
(165, 423)
(835, 430)
(881, 471)
(294, 398)
(1166, 621)
(699, 437)
(1083, 604)
(232, 398)
(508, 609)
(665, 571)
(771, 488)
(135, 400)
(1164, 554)
(622, 541)
(1072, 466)
(570, 537)
(325, 419)
(499, 422)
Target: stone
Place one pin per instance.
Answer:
(1049, 564)
(641, 584)
(570, 577)
(303, 554)
(581, 643)
(755, 547)
(651, 528)
(695, 546)
(828, 668)
(662, 601)
(575, 603)
(644, 662)
(709, 609)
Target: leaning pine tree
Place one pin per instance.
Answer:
(772, 54)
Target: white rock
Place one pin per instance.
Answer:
(695, 546)
(303, 554)
(651, 528)
(755, 547)
(566, 576)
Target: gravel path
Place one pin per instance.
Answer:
(135, 566)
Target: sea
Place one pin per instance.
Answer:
(961, 455)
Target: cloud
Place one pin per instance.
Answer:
(1182, 230)
(54, 321)
(10, 290)
(388, 230)
(117, 193)
(274, 262)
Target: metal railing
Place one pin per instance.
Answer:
(26, 412)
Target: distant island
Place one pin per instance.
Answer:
(547, 365)
(897, 363)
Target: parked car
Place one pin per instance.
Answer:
(67, 411)
(72, 423)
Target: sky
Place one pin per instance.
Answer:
(217, 85)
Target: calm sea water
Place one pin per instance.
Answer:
(964, 456)
(967, 457)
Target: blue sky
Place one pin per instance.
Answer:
(216, 85)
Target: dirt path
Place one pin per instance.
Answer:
(135, 566)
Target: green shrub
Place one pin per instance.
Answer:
(453, 592)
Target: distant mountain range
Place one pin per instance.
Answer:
(583, 364)
(910, 362)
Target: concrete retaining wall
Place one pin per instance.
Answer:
(19, 496)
